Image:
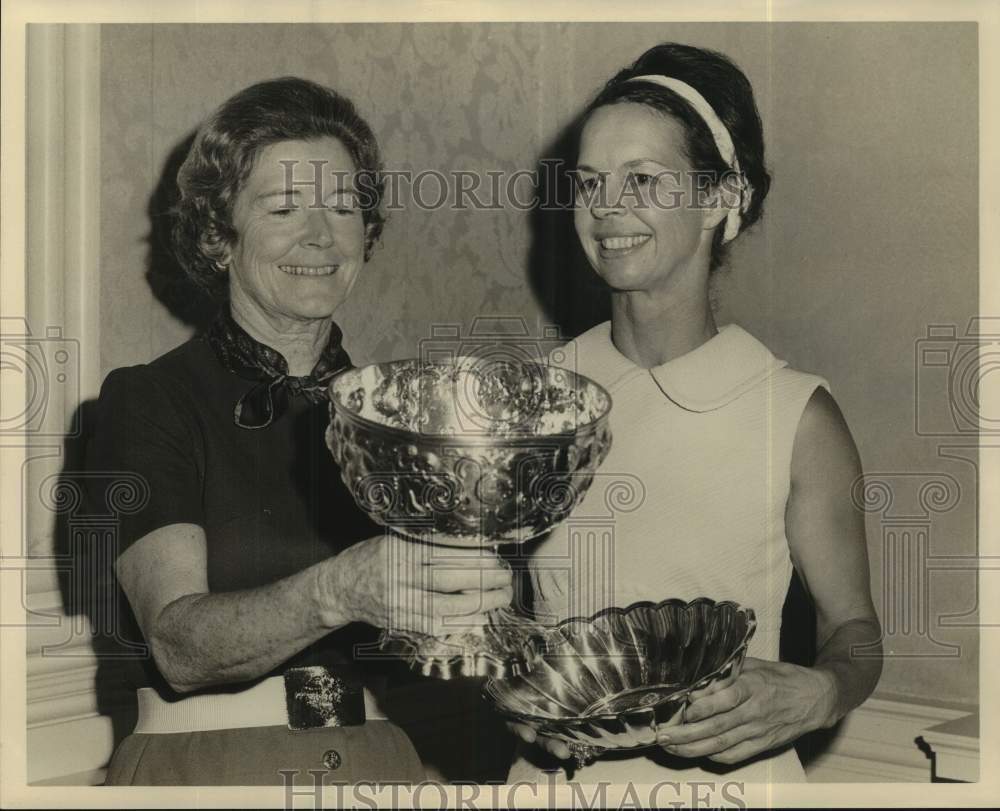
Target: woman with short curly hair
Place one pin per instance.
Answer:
(250, 570)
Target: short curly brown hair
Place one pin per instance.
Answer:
(226, 147)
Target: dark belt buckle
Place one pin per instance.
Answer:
(317, 696)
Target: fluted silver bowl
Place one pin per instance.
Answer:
(610, 680)
(483, 452)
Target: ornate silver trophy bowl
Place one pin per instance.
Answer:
(610, 680)
(481, 453)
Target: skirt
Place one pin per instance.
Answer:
(376, 751)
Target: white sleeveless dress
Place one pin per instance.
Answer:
(690, 502)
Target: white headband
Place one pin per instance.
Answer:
(723, 141)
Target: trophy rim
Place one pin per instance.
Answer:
(470, 440)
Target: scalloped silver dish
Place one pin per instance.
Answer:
(611, 680)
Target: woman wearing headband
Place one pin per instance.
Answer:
(741, 467)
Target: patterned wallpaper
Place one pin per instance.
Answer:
(869, 233)
(439, 97)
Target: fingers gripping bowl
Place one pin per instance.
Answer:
(483, 453)
(609, 681)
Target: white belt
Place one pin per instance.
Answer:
(262, 705)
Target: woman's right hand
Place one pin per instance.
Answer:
(394, 583)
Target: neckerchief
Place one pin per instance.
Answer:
(249, 359)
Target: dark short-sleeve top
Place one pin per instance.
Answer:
(270, 500)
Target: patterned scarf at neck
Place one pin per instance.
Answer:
(249, 359)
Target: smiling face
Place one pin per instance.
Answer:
(300, 234)
(636, 213)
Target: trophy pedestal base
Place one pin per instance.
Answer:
(503, 647)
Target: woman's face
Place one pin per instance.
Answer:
(636, 214)
(300, 233)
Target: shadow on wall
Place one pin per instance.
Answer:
(170, 285)
(87, 505)
(571, 295)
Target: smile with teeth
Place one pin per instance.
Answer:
(621, 243)
(309, 270)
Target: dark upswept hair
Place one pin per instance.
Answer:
(725, 87)
(225, 150)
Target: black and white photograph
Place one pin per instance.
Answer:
(488, 406)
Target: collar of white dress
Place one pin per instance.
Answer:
(706, 378)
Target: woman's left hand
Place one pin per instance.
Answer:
(769, 704)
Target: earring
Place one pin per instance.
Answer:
(746, 194)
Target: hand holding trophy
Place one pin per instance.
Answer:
(468, 453)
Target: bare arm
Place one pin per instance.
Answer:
(774, 703)
(200, 638)
(827, 539)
